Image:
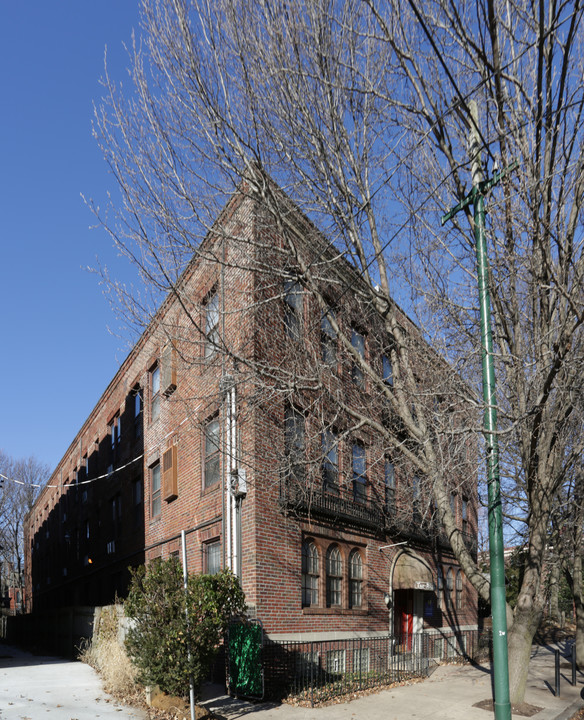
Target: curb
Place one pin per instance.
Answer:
(569, 711)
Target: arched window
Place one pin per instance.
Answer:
(309, 574)
(459, 590)
(440, 587)
(334, 577)
(355, 579)
(449, 586)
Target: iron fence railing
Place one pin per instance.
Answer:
(316, 671)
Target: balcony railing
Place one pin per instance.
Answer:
(338, 504)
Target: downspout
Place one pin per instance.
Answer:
(227, 481)
(234, 504)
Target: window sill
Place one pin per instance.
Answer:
(334, 611)
(211, 489)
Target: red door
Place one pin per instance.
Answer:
(404, 616)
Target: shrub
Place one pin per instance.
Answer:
(160, 637)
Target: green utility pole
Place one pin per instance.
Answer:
(476, 197)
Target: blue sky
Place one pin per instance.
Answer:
(58, 354)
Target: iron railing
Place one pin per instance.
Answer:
(341, 505)
(316, 671)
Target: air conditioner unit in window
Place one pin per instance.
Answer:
(168, 370)
(169, 474)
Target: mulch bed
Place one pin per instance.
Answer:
(523, 709)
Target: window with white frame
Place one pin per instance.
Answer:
(212, 557)
(154, 392)
(464, 513)
(138, 402)
(450, 587)
(294, 443)
(334, 577)
(211, 324)
(358, 342)
(310, 574)
(361, 660)
(359, 473)
(115, 433)
(328, 338)
(335, 662)
(459, 590)
(389, 472)
(387, 369)
(155, 491)
(211, 465)
(293, 309)
(330, 463)
(355, 579)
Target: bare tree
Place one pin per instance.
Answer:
(21, 483)
(358, 110)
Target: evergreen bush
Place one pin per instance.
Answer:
(161, 635)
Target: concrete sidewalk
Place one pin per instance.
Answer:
(37, 686)
(448, 694)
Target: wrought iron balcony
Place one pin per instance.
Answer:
(339, 504)
(336, 504)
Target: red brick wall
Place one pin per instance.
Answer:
(65, 566)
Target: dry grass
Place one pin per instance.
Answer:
(106, 653)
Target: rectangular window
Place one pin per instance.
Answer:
(294, 443)
(212, 557)
(330, 462)
(116, 515)
(154, 393)
(359, 473)
(137, 503)
(387, 370)
(361, 660)
(211, 464)
(464, 510)
(358, 342)
(416, 497)
(310, 574)
(389, 486)
(459, 590)
(212, 325)
(307, 664)
(115, 433)
(293, 306)
(138, 411)
(155, 490)
(328, 339)
(335, 662)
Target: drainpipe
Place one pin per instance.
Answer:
(234, 504)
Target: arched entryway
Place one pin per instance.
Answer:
(410, 577)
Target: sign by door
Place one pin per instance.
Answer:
(419, 585)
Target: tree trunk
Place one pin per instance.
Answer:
(555, 591)
(521, 635)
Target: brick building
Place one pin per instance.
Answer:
(224, 422)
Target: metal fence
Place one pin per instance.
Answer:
(320, 670)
